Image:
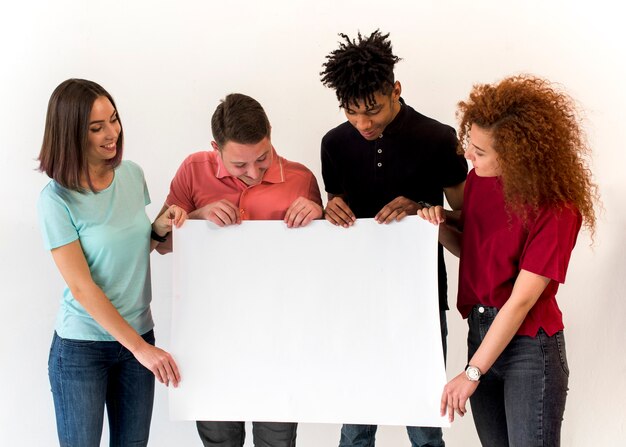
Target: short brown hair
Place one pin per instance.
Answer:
(241, 119)
(65, 139)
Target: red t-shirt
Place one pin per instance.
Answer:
(202, 179)
(496, 246)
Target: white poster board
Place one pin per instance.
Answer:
(319, 324)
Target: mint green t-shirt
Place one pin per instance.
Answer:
(114, 233)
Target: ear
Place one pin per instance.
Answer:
(215, 146)
(397, 91)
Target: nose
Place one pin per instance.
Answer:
(113, 130)
(253, 172)
(362, 123)
(468, 154)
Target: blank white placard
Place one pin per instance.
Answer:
(319, 324)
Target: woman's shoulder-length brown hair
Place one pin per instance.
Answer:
(63, 151)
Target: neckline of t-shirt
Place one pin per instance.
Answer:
(110, 186)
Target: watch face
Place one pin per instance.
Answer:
(472, 373)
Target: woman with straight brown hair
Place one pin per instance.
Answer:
(93, 219)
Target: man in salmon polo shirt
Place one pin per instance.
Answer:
(243, 178)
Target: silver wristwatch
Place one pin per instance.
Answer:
(473, 373)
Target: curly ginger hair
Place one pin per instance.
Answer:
(540, 144)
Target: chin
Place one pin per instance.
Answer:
(109, 155)
(370, 137)
(485, 174)
(250, 182)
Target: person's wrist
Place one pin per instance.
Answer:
(473, 373)
(160, 230)
(136, 344)
(157, 237)
(158, 233)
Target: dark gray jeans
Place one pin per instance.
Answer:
(521, 399)
(233, 434)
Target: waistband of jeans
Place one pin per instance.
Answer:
(485, 311)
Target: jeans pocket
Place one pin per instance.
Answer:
(74, 353)
(560, 344)
(70, 342)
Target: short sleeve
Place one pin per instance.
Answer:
(180, 189)
(330, 170)
(142, 177)
(146, 193)
(550, 242)
(55, 221)
(314, 190)
(453, 167)
(138, 177)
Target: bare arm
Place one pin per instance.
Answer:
(450, 237)
(454, 196)
(71, 262)
(526, 291)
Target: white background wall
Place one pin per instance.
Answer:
(167, 64)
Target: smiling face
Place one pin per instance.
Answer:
(247, 162)
(104, 130)
(482, 154)
(372, 120)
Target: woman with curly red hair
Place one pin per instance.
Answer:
(528, 195)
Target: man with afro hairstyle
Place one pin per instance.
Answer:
(386, 162)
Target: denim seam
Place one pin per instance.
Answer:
(61, 388)
(112, 414)
(542, 337)
(560, 346)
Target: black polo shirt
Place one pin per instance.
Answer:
(415, 157)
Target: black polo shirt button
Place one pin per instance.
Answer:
(379, 165)
(380, 151)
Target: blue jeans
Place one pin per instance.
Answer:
(233, 434)
(520, 401)
(354, 435)
(86, 376)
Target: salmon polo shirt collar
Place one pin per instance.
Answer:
(274, 173)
